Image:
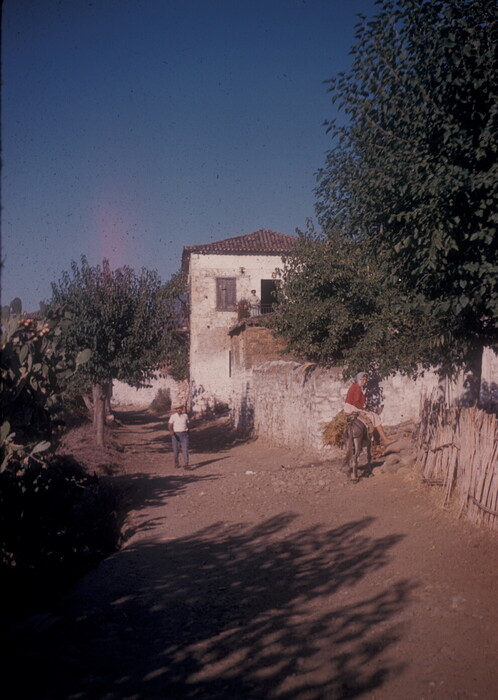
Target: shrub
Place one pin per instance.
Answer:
(56, 523)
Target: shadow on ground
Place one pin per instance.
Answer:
(215, 435)
(230, 612)
(142, 417)
(210, 435)
(144, 492)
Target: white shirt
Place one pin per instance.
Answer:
(179, 422)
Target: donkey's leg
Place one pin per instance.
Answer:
(348, 442)
(357, 450)
(349, 451)
(368, 443)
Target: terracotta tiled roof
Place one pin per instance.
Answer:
(260, 242)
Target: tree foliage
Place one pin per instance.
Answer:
(126, 319)
(410, 186)
(334, 308)
(177, 361)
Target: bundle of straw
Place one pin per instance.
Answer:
(333, 432)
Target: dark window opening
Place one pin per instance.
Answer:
(268, 295)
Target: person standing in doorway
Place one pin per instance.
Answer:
(178, 429)
(254, 304)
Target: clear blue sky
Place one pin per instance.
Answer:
(131, 128)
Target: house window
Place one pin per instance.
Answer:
(225, 294)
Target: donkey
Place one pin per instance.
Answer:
(356, 437)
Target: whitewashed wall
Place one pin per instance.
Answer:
(489, 379)
(290, 402)
(209, 339)
(126, 395)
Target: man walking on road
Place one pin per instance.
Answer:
(178, 429)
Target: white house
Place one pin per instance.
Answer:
(221, 275)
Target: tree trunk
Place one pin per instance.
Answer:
(89, 405)
(99, 412)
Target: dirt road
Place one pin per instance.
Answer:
(259, 575)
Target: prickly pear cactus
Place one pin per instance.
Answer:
(32, 365)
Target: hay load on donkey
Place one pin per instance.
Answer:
(333, 432)
(350, 431)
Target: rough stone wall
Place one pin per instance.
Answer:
(286, 402)
(290, 402)
(261, 346)
(210, 343)
(250, 346)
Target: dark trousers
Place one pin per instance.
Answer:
(180, 441)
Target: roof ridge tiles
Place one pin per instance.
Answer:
(261, 241)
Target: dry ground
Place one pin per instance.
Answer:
(261, 575)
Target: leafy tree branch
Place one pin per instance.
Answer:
(409, 192)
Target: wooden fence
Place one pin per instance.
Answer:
(457, 449)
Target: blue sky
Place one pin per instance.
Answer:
(131, 128)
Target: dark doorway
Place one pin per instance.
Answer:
(268, 295)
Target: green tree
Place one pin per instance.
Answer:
(334, 308)
(127, 320)
(177, 360)
(411, 182)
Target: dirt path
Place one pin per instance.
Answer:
(258, 575)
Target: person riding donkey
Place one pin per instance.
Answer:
(355, 403)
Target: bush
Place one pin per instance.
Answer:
(56, 523)
(75, 411)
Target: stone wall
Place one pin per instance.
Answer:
(289, 402)
(286, 403)
(251, 345)
(126, 395)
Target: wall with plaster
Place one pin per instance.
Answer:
(210, 345)
(125, 395)
(287, 403)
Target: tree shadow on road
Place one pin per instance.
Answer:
(215, 435)
(143, 492)
(142, 417)
(233, 611)
(207, 435)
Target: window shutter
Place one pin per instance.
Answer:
(231, 301)
(225, 294)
